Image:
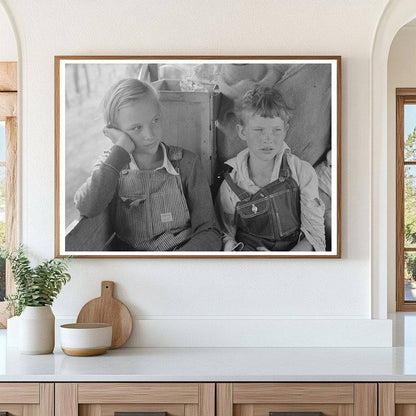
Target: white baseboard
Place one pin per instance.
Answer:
(248, 332)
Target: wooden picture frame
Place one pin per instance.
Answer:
(199, 96)
(8, 116)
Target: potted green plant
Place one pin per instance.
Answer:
(36, 289)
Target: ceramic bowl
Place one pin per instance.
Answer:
(83, 340)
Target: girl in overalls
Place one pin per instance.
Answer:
(158, 196)
(269, 200)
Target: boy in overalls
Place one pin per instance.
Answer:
(269, 200)
(158, 195)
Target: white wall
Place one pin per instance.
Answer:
(8, 47)
(401, 74)
(179, 302)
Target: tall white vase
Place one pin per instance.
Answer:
(37, 330)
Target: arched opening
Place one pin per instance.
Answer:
(396, 15)
(401, 122)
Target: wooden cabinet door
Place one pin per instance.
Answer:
(397, 399)
(107, 399)
(297, 399)
(27, 399)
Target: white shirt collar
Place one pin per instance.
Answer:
(167, 164)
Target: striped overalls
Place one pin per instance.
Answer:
(151, 213)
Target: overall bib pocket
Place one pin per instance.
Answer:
(255, 217)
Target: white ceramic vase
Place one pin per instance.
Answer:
(37, 330)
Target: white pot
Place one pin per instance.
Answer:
(37, 330)
(85, 339)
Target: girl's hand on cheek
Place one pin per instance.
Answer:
(119, 138)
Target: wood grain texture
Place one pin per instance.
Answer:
(31, 410)
(11, 204)
(405, 410)
(403, 96)
(224, 403)
(345, 410)
(207, 399)
(293, 393)
(365, 399)
(400, 203)
(191, 410)
(8, 76)
(27, 393)
(339, 159)
(90, 410)
(386, 399)
(406, 91)
(110, 409)
(47, 399)
(13, 409)
(107, 309)
(245, 410)
(57, 159)
(264, 409)
(66, 399)
(138, 393)
(11, 196)
(405, 393)
(8, 105)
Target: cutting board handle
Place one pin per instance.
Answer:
(107, 289)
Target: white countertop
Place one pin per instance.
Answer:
(222, 364)
(213, 364)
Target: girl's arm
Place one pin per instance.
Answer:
(98, 190)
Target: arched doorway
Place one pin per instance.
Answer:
(396, 14)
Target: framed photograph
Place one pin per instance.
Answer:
(194, 156)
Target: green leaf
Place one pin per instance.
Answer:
(35, 286)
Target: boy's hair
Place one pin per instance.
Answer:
(265, 102)
(122, 93)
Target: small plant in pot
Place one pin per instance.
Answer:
(36, 289)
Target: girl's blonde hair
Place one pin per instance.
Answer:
(265, 102)
(123, 93)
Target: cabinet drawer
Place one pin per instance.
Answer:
(397, 399)
(21, 399)
(106, 399)
(296, 399)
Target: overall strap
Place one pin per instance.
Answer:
(240, 192)
(175, 155)
(284, 171)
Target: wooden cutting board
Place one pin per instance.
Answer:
(107, 309)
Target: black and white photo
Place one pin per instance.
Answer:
(198, 157)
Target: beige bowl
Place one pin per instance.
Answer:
(83, 340)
